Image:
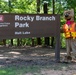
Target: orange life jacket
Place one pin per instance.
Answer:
(69, 30)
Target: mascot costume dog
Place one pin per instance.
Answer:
(69, 29)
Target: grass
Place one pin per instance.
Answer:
(23, 70)
(19, 70)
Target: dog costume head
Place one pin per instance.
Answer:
(69, 15)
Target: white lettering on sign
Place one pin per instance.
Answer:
(25, 32)
(21, 32)
(18, 33)
(24, 18)
(21, 25)
(44, 18)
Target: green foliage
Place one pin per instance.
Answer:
(24, 6)
(19, 70)
(30, 6)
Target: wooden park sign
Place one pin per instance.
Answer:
(30, 25)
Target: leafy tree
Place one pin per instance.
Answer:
(30, 6)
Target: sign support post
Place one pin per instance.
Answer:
(57, 49)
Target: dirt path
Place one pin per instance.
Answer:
(17, 56)
(28, 53)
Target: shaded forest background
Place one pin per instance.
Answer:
(36, 7)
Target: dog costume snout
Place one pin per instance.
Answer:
(66, 15)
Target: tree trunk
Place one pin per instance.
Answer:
(4, 42)
(52, 38)
(46, 12)
(10, 12)
(18, 42)
(38, 11)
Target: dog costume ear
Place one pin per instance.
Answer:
(72, 12)
(65, 12)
